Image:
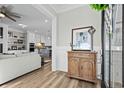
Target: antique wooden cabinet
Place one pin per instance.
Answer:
(82, 65)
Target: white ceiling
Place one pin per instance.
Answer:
(60, 8)
(31, 17)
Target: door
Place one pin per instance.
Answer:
(112, 47)
(116, 50)
(73, 66)
(86, 69)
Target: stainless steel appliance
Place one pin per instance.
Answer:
(31, 47)
(1, 48)
(1, 32)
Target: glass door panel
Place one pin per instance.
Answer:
(116, 48)
(113, 46)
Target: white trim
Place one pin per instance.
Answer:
(54, 38)
(66, 9)
(47, 12)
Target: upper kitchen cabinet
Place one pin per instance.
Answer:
(37, 38)
(31, 37)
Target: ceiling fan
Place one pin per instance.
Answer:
(6, 11)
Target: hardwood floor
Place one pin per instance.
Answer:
(45, 78)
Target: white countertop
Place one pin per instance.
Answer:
(7, 56)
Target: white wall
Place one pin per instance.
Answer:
(79, 17)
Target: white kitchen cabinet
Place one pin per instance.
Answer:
(31, 37)
(37, 38)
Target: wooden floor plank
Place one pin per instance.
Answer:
(45, 78)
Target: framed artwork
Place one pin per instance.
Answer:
(81, 39)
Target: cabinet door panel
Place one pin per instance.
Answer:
(73, 67)
(86, 70)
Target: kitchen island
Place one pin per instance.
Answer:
(13, 66)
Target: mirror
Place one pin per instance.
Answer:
(82, 38)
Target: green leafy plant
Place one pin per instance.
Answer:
(99, 7)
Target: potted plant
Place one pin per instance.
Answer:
(99, 7)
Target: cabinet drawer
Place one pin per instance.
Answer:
(86, 55)
(86, 60)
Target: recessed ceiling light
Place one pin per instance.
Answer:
(46, 21)
(22, 25)
(2, 15)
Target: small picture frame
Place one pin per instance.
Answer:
(81, 39)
